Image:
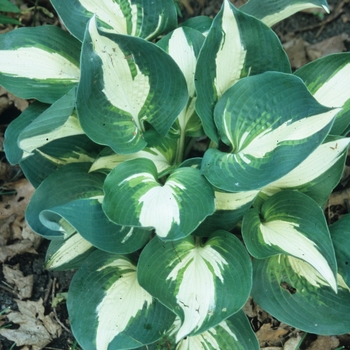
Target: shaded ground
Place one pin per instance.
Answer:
(306, 36)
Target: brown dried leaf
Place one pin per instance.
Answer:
(23, 284)
(295, 49)
(324, 343)
(9, 251)
(5, 229)
(35, 329)
(17, 204)
(270, 336)
(326, 47)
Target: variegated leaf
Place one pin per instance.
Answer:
(160, 150)
(271, 123)
(13, 153)
(296, 294)
(202, 283)
(237, 46)
(58, 121)
(144, 18)
(67, 254)
(229, 210)
(40, 62)
(234, 333)
(183, 45)
(57, 153)
(291, 223)
(87, 217)
(134, 196)
(106, 295)
(127, 82)
(318, 174)
(68, 183)
(272, 12)
(327, 79)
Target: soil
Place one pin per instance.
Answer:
(305, 28)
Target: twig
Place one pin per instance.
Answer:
(9, 290)
(54, 308)
(337, 12)
(47, 294)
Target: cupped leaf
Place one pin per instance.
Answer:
(144, 18)
(39, 62)
(318, 174)
(58, 121)
(95, 227)
(67, 254)
(160, 150)
(135, 197)
(296, 294)
(66, 184)
(271, 11)
(291, 223)
(271, 123)
(202, 283)
(234, 333)
(327, 79)
(13, 153)
(237, 46)
(45, 160)
(125, 83)
(108, 309)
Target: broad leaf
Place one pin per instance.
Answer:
(272, 11)
(58, 121)
(109, 310)
(126, 82)
(298, 295)
(327, 79)
(271, 123)
(57, 153)
(144, 18)
(67, 254)
(134, 196)
(13, 153)
(318, 174)
(110, 238)
(39, 62)
(183, 45)
(234, 333)
(340, 233)
(68, 183)
(237, 46)
(8, 6)
(160, 150)
(202, 283)
(229, 210)
(291, 223)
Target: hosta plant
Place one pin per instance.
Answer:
(170, 240)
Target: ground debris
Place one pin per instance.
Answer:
(35, 329)
(23, 285)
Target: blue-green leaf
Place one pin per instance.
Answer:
(193, 278)
(127, 82)
(271, 123)
(40, 62)
(134, 196)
